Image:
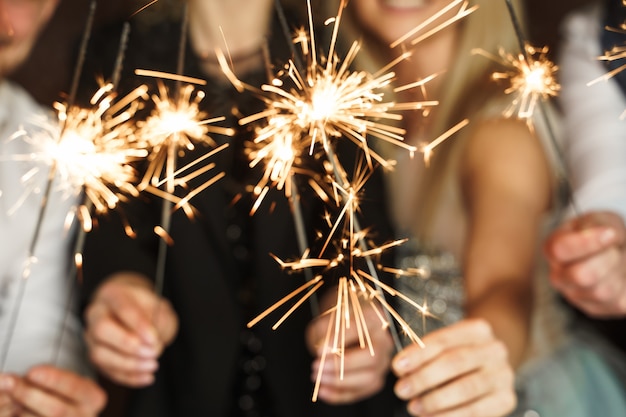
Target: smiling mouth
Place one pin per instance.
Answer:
(404, 4)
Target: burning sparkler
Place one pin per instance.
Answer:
(533, 82)
(175, 125)
(346, 253)
(93, 150)
(90, 151)
(98, 146)
(532, 78)
(307, 112)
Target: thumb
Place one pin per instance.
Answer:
(166, 321)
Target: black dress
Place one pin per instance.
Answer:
(219, 272)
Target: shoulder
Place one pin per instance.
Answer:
(502, 138)
(507, 155)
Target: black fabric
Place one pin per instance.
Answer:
(219, 272)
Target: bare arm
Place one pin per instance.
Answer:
(508, 185)
(467, 368)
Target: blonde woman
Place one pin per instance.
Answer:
(474, 217)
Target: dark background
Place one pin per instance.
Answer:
(48, 74)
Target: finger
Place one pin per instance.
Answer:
(8, 407)
(361, 380)
(488, 406)
(115, 364)
(581, 244)
(354, 383)
(498, 379)
(338, 394)
(166, 321)
(132, 300)
(103, 328)
(599, 305)
(602, 219)
(130, 379)
(593, 270)
(78, 390)
(451, 365)
(595, 282)
(36, 402)
(355, 359)
(135, 313)
(466, 332)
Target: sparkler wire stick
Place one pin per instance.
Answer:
(294, 195)
(543, 111)
(166, 209)
(368, 259)
(332, 159)
(30, 258)
(282, 18)
(317, 110)
(294, 199)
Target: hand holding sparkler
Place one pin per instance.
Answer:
(360, 373)
(588, 263)
(124, 335)
(462, 370)
(50, 391)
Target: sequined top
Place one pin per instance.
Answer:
(438, 286)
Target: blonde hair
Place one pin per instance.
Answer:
(466, 89)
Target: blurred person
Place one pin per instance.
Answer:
(29, 383)
(188, 351)
(474, 216)
(586, 253)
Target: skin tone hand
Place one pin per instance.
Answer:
(462, 371)
(47, 391)
(128, 326)
(364, 374)
(588, 263)
(7, 407)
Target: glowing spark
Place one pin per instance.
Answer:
(616, 53)
(427, 149)
(354, 286)
(95, 149)
(460, 14)
(307, 111)
(321, 103)
(170, 76)
(175, 125)
(326, 101)
(532, 77)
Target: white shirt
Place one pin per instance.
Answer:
(43, 308)
(594, 136)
